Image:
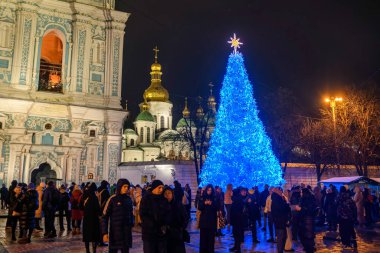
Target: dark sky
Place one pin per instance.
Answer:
(311, 47)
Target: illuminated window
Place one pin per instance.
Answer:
(51, 63)
(141, 134)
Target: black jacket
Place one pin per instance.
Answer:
(280, 211)
(91, 214)
(263, 197)
(239, 211)
(118, 214)
(50, 199)
(103, 196)
(208, 212)
(63, 201)
(253, 208)
(177, 221)
(153, 212)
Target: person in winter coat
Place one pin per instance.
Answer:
(153, 212)
(118, 216)
(91, 213)
(103, 195)
(177, 221)
(178, 191)
(219, 196)
(263, 198)
(281, 214)
(38, 214)
(11, 194)
(4, 196)
(63, 208)
(359, 202)
(268, 214)
(228, 203)
(137, 196)
(253, 213)
(239, 217)
(346, 210)
(50, 201)
(307, 209)
(208, 206)
(27, 218)
(188, 206)
(76, 212)
(330, 208)
(15, 208)
(295, 201)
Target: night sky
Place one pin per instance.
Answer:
(311, 47)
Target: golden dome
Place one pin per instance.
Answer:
(186, 112)
(156, 92)
(156, 67)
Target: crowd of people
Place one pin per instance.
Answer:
(105, 214)
(288, 216)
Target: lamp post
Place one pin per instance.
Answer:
(332, 102)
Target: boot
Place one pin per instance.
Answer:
(94, 247)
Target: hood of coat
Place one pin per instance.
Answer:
(120, 183)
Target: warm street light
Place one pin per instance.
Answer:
(332, 101)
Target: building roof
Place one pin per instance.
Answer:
(145, 116)
(182, 123)
(129, 131)
(169, 135)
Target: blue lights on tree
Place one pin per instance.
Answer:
(240, 151)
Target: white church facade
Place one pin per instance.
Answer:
(60, 90)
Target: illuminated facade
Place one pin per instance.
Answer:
(60, 90)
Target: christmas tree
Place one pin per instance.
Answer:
(240, 151)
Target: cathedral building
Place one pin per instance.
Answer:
(60, 90)
(153, 137)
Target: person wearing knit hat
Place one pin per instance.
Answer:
(118, 217)
(154, 214)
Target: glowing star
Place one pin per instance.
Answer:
(235, 43)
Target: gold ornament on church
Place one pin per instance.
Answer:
(156, 92)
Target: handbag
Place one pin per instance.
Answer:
(221, 221)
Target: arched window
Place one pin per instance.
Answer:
(1, 125)
(132, 142)
(50, 78)
(148, 135)
(155, 118)
(162, 122)
(33, 138)
(141, 134)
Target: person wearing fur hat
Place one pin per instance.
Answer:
(118, 216)
(91, 213)
(153, 212)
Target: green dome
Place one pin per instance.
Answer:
(145, 116)
(129, 131)
(182, 123)
(169, 135)
(211, 120)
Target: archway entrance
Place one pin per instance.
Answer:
(44, 173)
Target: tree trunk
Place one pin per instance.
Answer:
(284, 169)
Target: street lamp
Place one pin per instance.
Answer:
(332, 102)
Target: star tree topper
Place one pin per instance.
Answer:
(235, 43)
